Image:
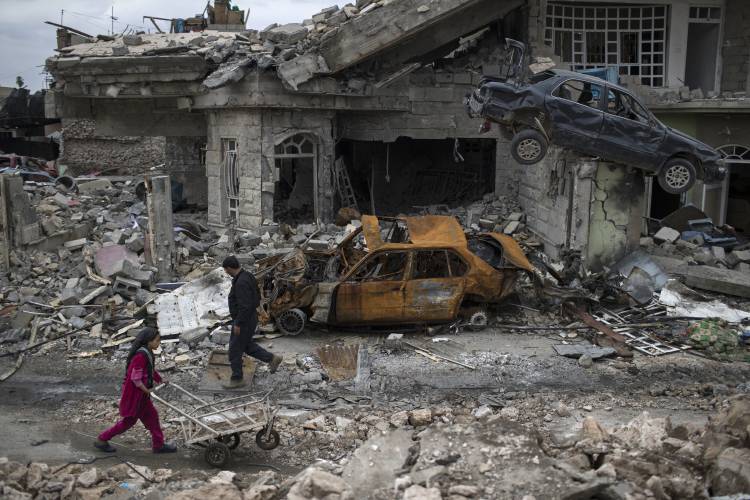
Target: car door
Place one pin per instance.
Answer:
(630, 134)
(575, 115)
(435, 288)
(373, 292)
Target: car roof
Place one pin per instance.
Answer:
(565, 74)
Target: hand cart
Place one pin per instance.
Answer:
(217, 425)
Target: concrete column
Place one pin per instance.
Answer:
(160, 237)
(678, 38)
(5, 229)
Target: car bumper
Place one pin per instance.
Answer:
(491, 109)
(715, 170)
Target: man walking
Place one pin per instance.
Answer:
(243, 302)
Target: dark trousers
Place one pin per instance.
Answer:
(243, 344)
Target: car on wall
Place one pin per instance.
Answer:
(593, 117)
(392, 271)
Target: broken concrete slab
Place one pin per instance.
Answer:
(575, 351)
(667, 234)
(388, 451)
(707, 278)
(91, 186)
(288, 33)
(110, 260)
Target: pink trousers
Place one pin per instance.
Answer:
(150, 419)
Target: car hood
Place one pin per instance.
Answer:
(698, 145)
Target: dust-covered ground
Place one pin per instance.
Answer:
(54, 406)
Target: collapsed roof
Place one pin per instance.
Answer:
(332, 41)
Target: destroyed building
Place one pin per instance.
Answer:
(363, 106)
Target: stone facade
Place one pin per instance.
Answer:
(573, 203)
(736, 47)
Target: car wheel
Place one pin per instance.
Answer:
(677, 176)
(291, 322)
(528, 147)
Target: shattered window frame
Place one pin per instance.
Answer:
(371, 265)
(596, 91)
(637, 108)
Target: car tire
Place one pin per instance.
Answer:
(292, 321)
(677, 176)
(529, 146)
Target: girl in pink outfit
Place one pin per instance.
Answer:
(135, 403)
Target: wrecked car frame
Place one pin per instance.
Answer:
(594, 117)
(412, 270)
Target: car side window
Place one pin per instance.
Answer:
(387, 266)
(457, 264)
(430, 264)
(585, 93)
(624, 105)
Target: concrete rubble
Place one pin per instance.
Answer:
(456, 456)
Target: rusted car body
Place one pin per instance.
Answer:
(412, 270)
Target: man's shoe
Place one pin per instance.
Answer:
(166, 448)
(274, 364)
(235, 383)
(104, 446)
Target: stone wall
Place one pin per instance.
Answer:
(257, 132)
(736, 48)
(82, 150)
(585, 205)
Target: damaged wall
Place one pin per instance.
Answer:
(82, 150)
(735, 50)
(257, 133)
(580, 204)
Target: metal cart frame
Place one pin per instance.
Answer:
(231, 417)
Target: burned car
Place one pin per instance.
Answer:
(591, 116)
(391, 271)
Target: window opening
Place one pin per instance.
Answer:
(230, 177)
(430, 264)
(581, 92)
(632, 38)
(387, 266)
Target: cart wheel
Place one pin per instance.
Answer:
(232, 440)
(267, 444)
(218, 454)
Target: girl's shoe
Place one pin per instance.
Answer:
(166, 448)
(104, 446)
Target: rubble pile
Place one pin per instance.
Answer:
(453, 454)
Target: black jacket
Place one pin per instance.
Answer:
(243, 300)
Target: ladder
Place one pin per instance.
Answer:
(344, 184)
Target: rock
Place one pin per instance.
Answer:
(592, 430)
(212, 491)
(289, 33)
(377, 462)
(94, 185)
(586, 361)
(562, 410)
(315, 424)
(399, 419)
(464, 490)
(510, 412)
(88, 478)
(667, 234)
(314, 483)
(420, 417)
(416, 492)
(607, 470)
(718, 253)
(260, 492)
(343, 423)
(645, 432)
(110, 260)
(423, 8)
(223, 477)
(482, 411)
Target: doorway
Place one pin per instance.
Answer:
(295, 197)
(702, 48)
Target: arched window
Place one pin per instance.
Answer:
(296, 179)
(735, 153)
